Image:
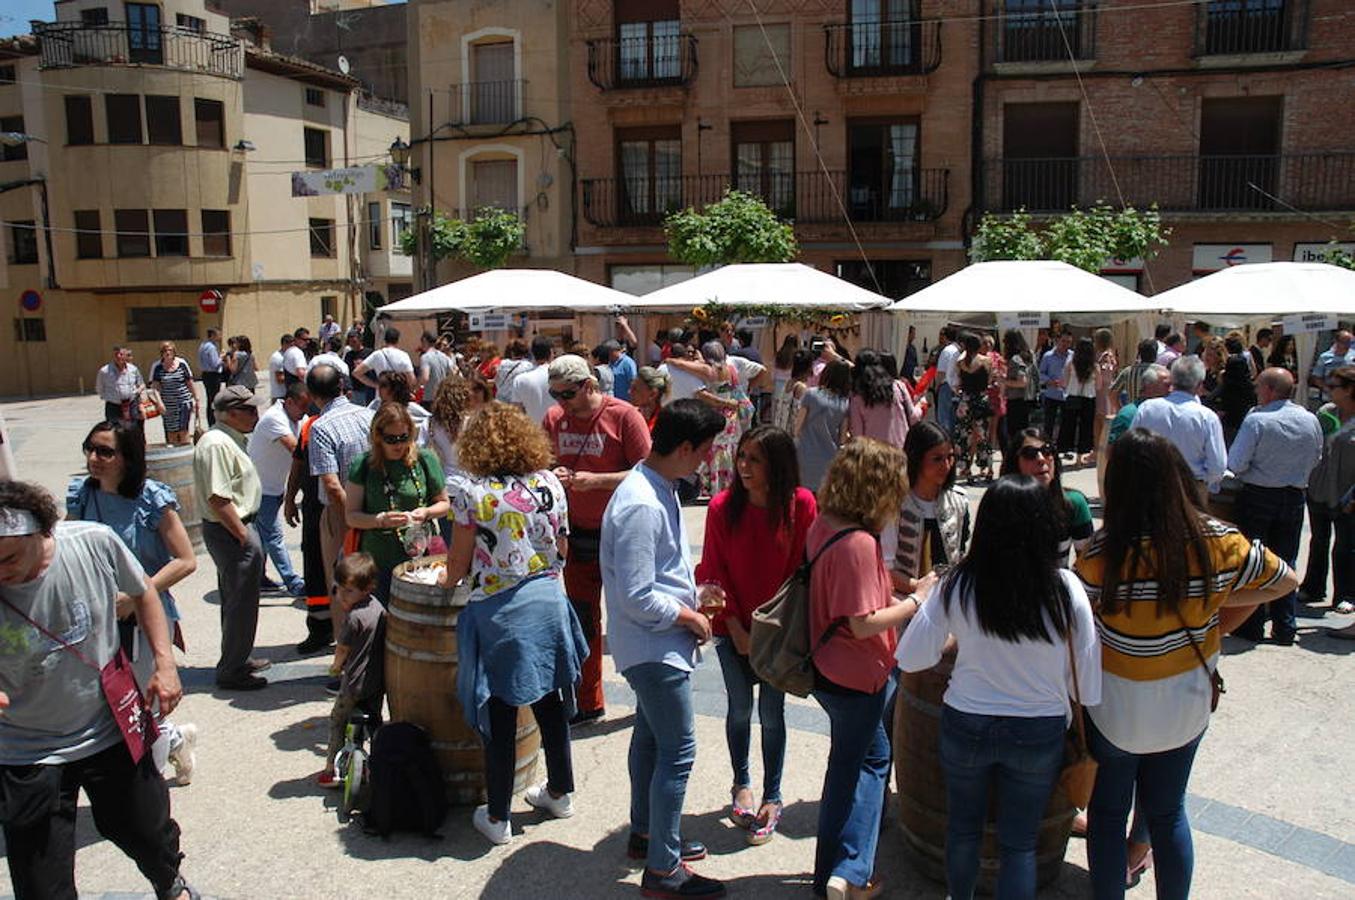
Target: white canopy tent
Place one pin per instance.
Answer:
(509, 290)
(1265, 289)
(761, 284)
(1013, 286)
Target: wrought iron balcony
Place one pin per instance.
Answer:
(807, 198)
(72, 44)
(1306, 181)
(1066, 31)
(487, 102)
(874, 49)
(1232, 27)
(642, 62)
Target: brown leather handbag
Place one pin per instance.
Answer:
(1079, 766)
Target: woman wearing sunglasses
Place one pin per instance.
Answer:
(396, 492)
(144, 514)
(1030, 454)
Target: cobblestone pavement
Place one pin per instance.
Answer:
(1269, 797)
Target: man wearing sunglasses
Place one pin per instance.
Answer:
(597, 440)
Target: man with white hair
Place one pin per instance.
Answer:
(597, 440)
(1181, 418)
(1152, 381)
(1276, 449)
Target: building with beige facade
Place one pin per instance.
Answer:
(156, 168)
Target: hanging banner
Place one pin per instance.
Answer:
(490, 321)
(1213, 257)
(1306, 323)
(355, 180)
(1018, 320)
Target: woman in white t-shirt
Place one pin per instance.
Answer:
(1022, 626)
(1077, 426)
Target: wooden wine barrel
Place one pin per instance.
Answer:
(173, 465)
(922, 788)
(421, 669)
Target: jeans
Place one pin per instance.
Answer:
(1052, 411)
(854, 785)
(945, 406)
(130, 804)
(238, 570)
(662, 750)
(771, 713)
(268, 523)
(1322, 521)
(1273, 516)
(1161, 780)
(1021, 759)
(501, 750)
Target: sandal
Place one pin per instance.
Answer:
(740, 815)
(761, 831)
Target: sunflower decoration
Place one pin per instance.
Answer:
(699, 314)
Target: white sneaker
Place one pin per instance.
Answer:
(539, 796)
(183, 756)
(497, 832)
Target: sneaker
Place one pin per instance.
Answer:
(332, 686)
(681, 882)
(183, 757)
(637, 847)
(497, 832)
(329, 780)
(297, 591)
(588, 717)
(539, 796)
(840, 888)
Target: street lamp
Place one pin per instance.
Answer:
(400, 152)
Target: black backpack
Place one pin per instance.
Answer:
(407, 789)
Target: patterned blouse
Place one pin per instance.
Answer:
(517, 520)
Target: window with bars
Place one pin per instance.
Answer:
(216, 232)
(322, 238)
(764, 161)
(315, 97)
(88, 235)
(190, 23)
(650, 161)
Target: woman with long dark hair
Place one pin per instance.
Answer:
(933, 524)
(974, 409)
(880, 408)
(1285, 355)
(1017, 383)
(1234, 396)
(818, 427)
(144, 513)
(240, 365)
(786, 406)
(1029, 453)
(1167, 581)
(755, 539)
(1019, 622)
(1078, 424)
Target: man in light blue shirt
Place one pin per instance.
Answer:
(1051, 384)
(209, 370)
(653, 631)
(1181, 418)
(623, 369)
(1276, 449)
(1341, 353)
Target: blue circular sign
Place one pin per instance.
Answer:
(30, 300)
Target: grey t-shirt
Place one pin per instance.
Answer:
(364, 635)
(57, 712)
(439, 366)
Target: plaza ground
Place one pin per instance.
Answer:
(1269, 797)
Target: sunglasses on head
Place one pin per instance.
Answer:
(100, 451)
(395, 439)
(567, 394)
(1029, 452)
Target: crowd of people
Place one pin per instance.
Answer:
(552, 480)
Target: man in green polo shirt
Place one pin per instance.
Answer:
(226, 480)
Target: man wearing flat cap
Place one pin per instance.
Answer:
(226, 480)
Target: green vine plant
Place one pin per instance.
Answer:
(737, 228)
(1081, 238)
(487, 240)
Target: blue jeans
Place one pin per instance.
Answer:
(1273, 516)
(268, 522)
(662, 750)
(854, 785)
(1161, 780)
(771, 713)
(945, 406)
(1021, 758)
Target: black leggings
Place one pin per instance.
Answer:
(130, 804)
(1079, 418)
(501, 750)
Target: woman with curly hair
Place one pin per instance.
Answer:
(881, 408)
(853, 625)
(450, 409)
(518, 640)
(394, 490)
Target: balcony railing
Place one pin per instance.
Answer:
(1047, 35)
(1230, 27)
(656, 61)
(867, 49)
(807, 198)
(71, 44)
(487, 102)
(1306, 181)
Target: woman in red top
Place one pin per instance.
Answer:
(755, 538)
(853, 623)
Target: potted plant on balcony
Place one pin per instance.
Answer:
(737, 228)
(1082, 238)
(487, 240)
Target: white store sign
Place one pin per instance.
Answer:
(1318, 252)
(490, 321)
(1213, 257)
(1307, 323)
(1019, 320)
